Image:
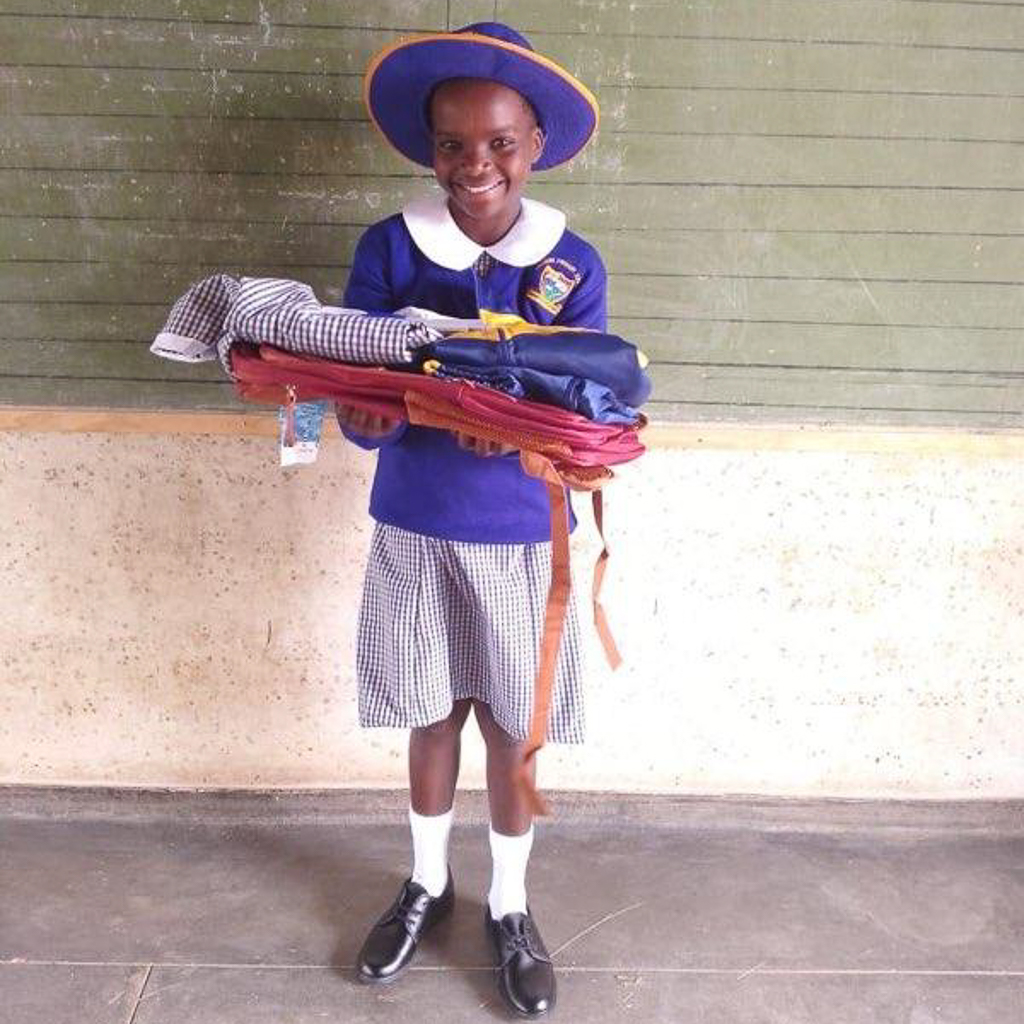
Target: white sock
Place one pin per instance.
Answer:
(509, 855)
(430, 849)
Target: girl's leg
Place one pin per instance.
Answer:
(510, 813)
(426, 898)
(433, 770)
(511, 832)
(434, 761)
(526, 976)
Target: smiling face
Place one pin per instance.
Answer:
(486, 139)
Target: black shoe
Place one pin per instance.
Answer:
(390, 946)
(526, 976)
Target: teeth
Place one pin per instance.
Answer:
(476, 190)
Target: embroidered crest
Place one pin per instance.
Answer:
(556, 280)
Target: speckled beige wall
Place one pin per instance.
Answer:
(177, 610)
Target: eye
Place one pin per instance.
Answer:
(504, 142)
(447, 145)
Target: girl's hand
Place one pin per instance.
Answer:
(367, 424)
(481, 447)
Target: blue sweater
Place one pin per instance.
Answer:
(540, 271)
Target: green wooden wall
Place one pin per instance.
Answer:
(811, 210)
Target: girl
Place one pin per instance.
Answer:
(459, 569)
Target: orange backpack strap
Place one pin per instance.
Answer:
(611, 651)
(538, 465)
(554, 619)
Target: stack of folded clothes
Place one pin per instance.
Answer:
(568, 399)
(281, 346)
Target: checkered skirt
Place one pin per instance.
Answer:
(444, 620)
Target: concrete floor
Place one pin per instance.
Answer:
(143, 920)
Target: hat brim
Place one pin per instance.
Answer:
(401, 78)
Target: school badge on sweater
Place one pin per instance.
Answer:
(555, 280)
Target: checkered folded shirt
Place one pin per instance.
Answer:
(218, 311)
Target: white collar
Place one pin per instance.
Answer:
(440, 239)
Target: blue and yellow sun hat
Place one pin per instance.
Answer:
(401, 78)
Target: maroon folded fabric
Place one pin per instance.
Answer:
(270, 375)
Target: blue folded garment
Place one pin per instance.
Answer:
(587, 397)
(603, 359)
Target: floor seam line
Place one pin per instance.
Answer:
(138, 997)
(739, 972)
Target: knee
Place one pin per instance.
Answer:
(494, 735)
(447, 729)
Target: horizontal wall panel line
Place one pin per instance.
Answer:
(1013, 333)
(962, 3)
(636, 323)
(610, 230)
(1003, 361)
(209, 173)
(220, 384)
(797, 323)
(264, 119)
(790, 89)
(234, 264)
(651, 319)
(1002, 377)
(108, 302)
(192, 382)
(32, 9)
(600, 84)
(889, 325)
(823, 324)
(308, 73)
(133, 359)
(311, 176)
(647, 232)
(794, 323)
(856, 137)
(859, 278)
(427, 14)
(696, 37)
(220, 23)
(36, 340)
(859, 20)
(880, 44)
(205, 265)
(242, 222)
(829, 407)
(589, 183)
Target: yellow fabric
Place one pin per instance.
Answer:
(501, 326)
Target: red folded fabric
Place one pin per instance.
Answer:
(268, 374)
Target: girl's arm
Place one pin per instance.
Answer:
(369, 280)
(368, 289)
(366, 429)
(587, 305)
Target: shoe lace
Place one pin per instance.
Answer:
(403, 907)
(406, 900)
